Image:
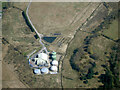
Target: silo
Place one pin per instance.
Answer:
(54, 57)
(37, 71)
(54, 68)
(44, 70)
(55, 63)
(53, 53)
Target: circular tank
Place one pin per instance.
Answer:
(37, 71)
(44, 70)
(54, 53)
(54, 57)
(54, 68)
(55, 63)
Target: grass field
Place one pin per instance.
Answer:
(10, 79)
(112, 31)
(54, 17)
(21, 5)
(64, 18)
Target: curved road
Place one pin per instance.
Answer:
(39, 35)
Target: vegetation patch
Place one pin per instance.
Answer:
(111, 77)
(29, 24)
(95, 51)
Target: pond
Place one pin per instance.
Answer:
(49, 39)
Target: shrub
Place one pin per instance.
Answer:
(86, 81)
(94, 56)
(96, 73)
(27, 21)
(83, 78)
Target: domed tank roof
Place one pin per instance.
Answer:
(37, 71)
(54, 53)
(54, 56)
(54, 62)
(44, 70)
(54, 68)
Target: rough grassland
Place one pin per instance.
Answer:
(17, 32)
(100, 45)
(62, 18)
(54, 17)
(21, 6)
(21, 40)
(67, 69)
(10, 79)
(70, 76)
(112, 31)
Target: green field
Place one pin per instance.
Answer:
(112, 31)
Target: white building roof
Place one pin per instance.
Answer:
(40, 61)
(43, 56)
(35, 59)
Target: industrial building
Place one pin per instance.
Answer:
(39, 60)
(42, 59)
(42, 64)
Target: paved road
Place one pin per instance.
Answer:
(39, 35)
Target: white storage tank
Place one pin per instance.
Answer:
(54, 68)
(54, 53)
(55, 63)
(44, 70)
(37, 71)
